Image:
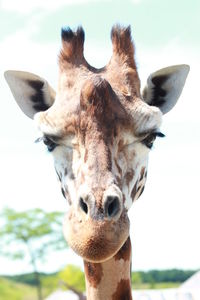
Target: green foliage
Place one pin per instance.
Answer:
(29, 278)
(161, 285)
(74, 277)
(136, 278)
(156, 276)
(33, 232)
(13, 291)
(50, 282)
(7, 291)
(166, 285)
(70, 277)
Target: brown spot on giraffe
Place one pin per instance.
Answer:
(123, 291)
(142, 173)
(140, 191)
(124, 198)
(72, 176)
(86, 155)
(93, 273)
(134, 192)
(125, 251)
(129, 176)
(66, 172)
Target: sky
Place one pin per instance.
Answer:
(165, 221)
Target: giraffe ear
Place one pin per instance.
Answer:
(164, 87)
(31, 92)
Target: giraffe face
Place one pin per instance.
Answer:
(100, 155)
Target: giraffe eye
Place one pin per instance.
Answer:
(149, 140)
(49, 143)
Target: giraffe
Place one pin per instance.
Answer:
(99, 128)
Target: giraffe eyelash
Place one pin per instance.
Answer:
(159, 134)
(38, 140)
(51, 145)
(149, 140)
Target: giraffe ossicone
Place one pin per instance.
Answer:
(99, 128)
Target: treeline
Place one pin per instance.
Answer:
(158, 276)
(28, 278)
(152, 276)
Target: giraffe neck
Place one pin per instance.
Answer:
(110, 280)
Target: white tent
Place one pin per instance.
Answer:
(192, 285)
(193, 282)
(165, 294)
(62, 295)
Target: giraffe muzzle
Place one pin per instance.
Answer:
(96, 239)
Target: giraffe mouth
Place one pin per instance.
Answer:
(95, 241)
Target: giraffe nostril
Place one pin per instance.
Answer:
(83, 205)
(112, 206)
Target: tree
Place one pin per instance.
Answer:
(136, 278)
(33, 233)
(70, 278)
(73, 276)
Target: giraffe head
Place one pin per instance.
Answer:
(99, 129)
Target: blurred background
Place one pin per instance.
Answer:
(165, 221)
